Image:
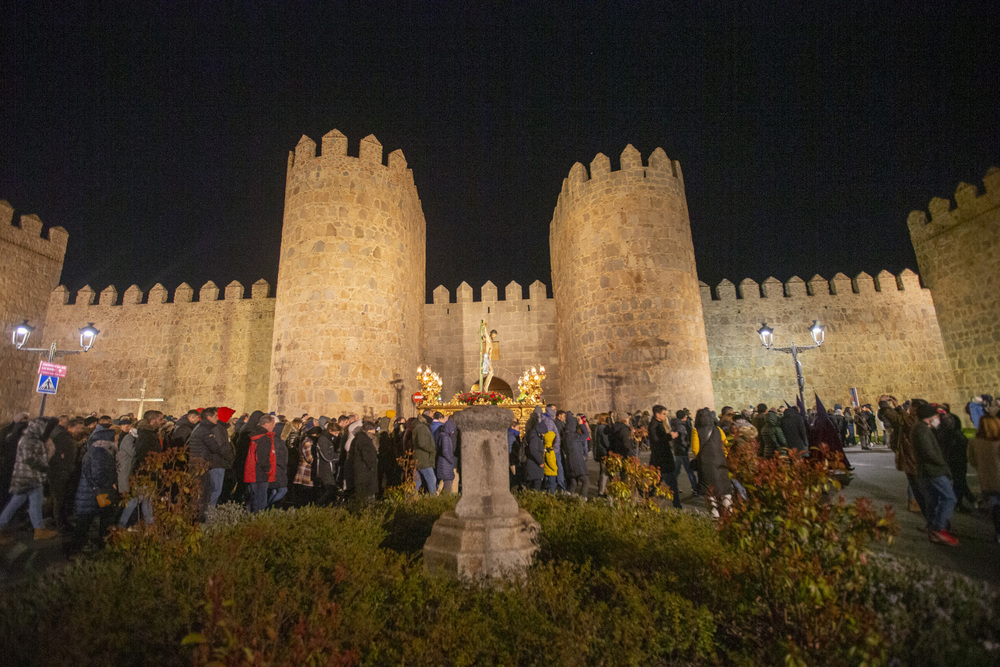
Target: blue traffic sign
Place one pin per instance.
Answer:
(47, 384)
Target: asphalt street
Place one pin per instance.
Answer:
(875, 477)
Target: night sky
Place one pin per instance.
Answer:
(158, 133)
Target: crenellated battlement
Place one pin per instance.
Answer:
(840, 285)
(334, 148)
(970, 204)
(183, 293)
(29, 234)
(513, 293)
(659, 169)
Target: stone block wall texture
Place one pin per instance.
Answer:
(349, 309)
(526, 336)
(881, 337)
(194, 354)
(959, 261)
(626, 287)
(32, 265)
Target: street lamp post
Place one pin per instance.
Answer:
(22, 332)
(818, 332)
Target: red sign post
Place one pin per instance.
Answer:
(418, 398)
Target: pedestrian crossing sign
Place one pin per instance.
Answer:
(47, 384)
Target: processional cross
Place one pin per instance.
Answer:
(142, 399)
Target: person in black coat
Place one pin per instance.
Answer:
(793, 425)
(278, 489)
(184, 427)
(62, 468)
(620, 440)
(682, 447)
(210, 444)
(575, 447)
(535, 452)
(661, 450)
(363, 458)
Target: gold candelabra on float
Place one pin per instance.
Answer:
(430, 384)
(530, 384)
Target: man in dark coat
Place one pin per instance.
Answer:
(147, 440)
(601, 445)
(661, 450)
(933, 475)
(184, 427)
(424, 453)
(211, 444)
(363, 458)
(793, 425)
(62, 467)
(277, 488)
(682, 445)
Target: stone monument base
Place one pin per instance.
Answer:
(481, 547)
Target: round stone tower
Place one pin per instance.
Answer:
(349, 307)
(628, 307)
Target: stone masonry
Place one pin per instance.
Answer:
(349, 315)
(32, 264)
(959, 262)
(626, 286)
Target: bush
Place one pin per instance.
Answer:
(613, 585)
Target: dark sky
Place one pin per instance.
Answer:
(158, 133)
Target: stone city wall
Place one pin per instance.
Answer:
(957, 251)
(208, 352)
(526, 337)
(349, 309)
(630, 324)
(31, 268)
(881, 337)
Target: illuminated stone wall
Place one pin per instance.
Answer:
(31, 268)
(957, 251)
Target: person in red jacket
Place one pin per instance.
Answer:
(260, 468)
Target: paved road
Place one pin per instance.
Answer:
(876, 478)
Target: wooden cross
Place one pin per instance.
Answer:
(142, 399)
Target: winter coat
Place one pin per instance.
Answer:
(182, 432)
(424, 451)
(549, 417)
(682, 443)
(902, 424)
(793, 427)
(63, 461)
(661, 447)
(551, 457)
(146, 440)
(954, 445)
(576, 447)
(600, 442)
(97, 473)
(327, 457)
(126, 460)
(772, 438)
(242, 442)
(363, 460)
(280, 480)
(444, 468)
(984, 455)
(930, 461)
(620, 439)
(204, 444)
(535, 459)
(711, 455)
(303, 476)
(31, 465)
(260, 465)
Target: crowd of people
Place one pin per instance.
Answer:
(77, 468)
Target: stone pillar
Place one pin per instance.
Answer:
(488, 535)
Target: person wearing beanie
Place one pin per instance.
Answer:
(933, 475)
